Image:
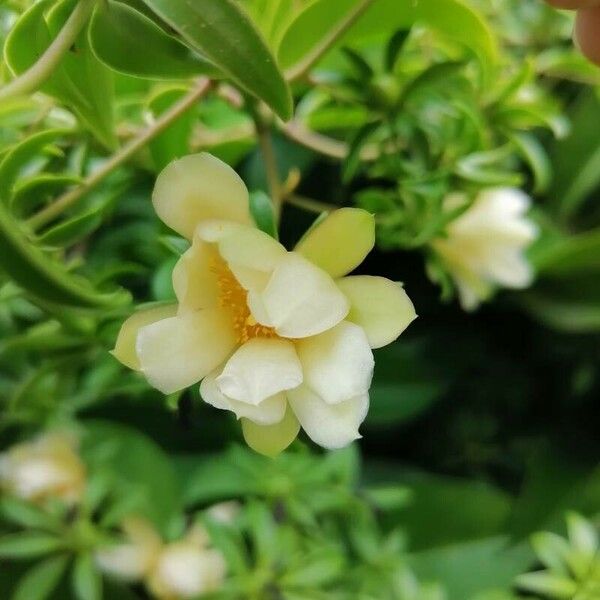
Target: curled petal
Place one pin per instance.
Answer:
(338, 364)
(268, 412)
(259, 369)
(270, 440)
(331, 426)
(251, 255)
(124, 350)
(177, 352)
(380, 306)
(300, 299)
(196, 188)
(340, 242)
(194, 279)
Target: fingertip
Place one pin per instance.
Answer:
(587, 33)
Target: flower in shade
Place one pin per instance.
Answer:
(282, 339)
(46, 467)
(186, 568)
(484, 247)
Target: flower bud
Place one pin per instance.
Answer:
(46, 467)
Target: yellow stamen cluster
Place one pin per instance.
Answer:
(234, 297)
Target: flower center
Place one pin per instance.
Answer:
(234, 297)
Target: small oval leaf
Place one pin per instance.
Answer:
(129, 42)
(223, 33)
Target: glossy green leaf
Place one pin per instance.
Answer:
(223, 33)
(41, 275)
(452, 17)
(127, 41)
(81, 81)
(263, 213)
(87, 581)
(41, 580)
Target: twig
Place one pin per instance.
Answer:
(71, 197)
(324, 144)
(42, 69)
(310, 205)
(265, 141)
(302, 67)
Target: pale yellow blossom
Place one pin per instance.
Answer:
(186, 568)
(281, 338)
(46, 467)
(484, 248)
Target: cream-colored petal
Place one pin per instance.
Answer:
(194, 279)
(380, 306)
(300, 299)
(268, 412)
(124, 350)
(132, 559)
(213, 230)
(251, 256)
(338, 364)
(251, 248)
(184, 570)
(340, 242)
(271, 440)
(198, 187)
(260, 369)
(178, 352)
(511, 269)
(329, 425)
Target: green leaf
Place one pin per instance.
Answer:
(81, 81)
(145, 473)
(263, 214)
(41, 275)
(20, 157)
(576, 158)
(470, 568)
(72, 230)
(25, 514)
(40, 581)
(87, 582)
(360, 138)
(394, 48)
(536, 158)
(174, 142)
(225, 35)
(28, 545)
(33, 192)
(127, 41)
(452, 17)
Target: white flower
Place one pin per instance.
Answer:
(135, 558)
(485, 246)
(280, 338)
(46, 467)
(183, 569)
